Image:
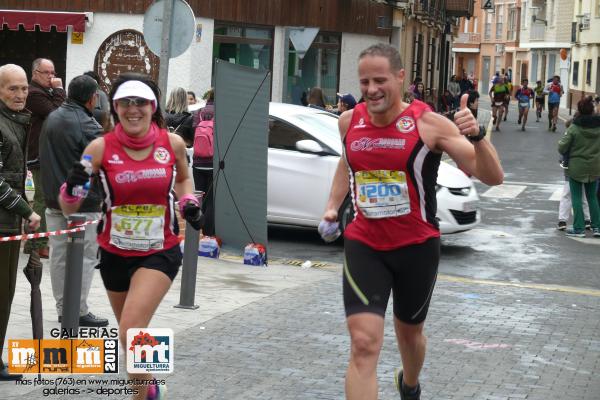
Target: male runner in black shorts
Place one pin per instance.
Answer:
(391, 154)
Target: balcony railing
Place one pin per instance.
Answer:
(468, 37)
(537, 32)
(430, 10)
(459, 8)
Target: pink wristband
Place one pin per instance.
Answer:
(185, 198)
(67, 198)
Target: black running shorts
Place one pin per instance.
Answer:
(409, 272)
(116, 271)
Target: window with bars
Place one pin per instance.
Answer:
(499, 22)
(588, 72)
(512, 24)
(417, 56)
(431, 62)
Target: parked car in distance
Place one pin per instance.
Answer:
(304, 150)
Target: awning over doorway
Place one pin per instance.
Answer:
(43, 19)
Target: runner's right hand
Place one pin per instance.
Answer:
(77, 176)
(329, 230)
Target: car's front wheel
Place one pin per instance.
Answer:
(346, 214)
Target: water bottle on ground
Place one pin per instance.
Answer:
(82, 190)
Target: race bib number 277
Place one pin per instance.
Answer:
(138, 227)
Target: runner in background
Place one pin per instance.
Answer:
(509, 87)
(554, 90)
(498, 94)
(540, 99)
(524, 95)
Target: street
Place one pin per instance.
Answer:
(512, 315)
(517, 240)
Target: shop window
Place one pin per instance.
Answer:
(318, 68)
(250, 46)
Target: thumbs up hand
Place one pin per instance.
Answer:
(464, 119)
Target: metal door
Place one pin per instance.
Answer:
(598, 76)
(534, 68)
(485, 75)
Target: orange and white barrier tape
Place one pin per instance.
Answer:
(75, 228)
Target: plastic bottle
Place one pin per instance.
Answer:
(82, 190)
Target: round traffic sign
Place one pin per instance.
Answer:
(183, 26)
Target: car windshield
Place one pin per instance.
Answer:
(326, 124)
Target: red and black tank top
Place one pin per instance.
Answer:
(392, 180)
(139, 202)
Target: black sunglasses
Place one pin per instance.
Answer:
(132, 101)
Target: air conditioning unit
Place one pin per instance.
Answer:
(585, 21)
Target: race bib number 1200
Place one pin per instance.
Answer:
(382, 193)
(138, 227)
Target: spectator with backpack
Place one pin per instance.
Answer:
(203, 161)
(178, 119)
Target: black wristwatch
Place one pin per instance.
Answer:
(477, 138)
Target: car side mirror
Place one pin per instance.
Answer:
(309, 146)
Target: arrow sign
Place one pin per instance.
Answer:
(487, 5)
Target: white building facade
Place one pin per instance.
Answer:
(545, 31)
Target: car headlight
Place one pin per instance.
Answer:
(464, 191)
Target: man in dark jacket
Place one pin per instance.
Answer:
(65, 134)
(14, 125)
(46, 93)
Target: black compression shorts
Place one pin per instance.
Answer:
(116, 271)
(409, 272)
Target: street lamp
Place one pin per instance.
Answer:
(534, 15)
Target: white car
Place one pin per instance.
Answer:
(304, 150)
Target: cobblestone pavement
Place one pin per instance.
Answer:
(279, 333)
(485, 342)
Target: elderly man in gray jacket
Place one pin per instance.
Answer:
(14, 127)
(65, 134)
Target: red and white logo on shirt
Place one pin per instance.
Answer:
(162, 155)
(405, 124)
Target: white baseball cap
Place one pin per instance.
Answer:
(135, 88)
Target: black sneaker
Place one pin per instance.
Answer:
(6, 376)
(92, 321)
(89, 320)
(563, 164)
(519, 121)
(416, 393)
(588, 224)
(562, 225)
